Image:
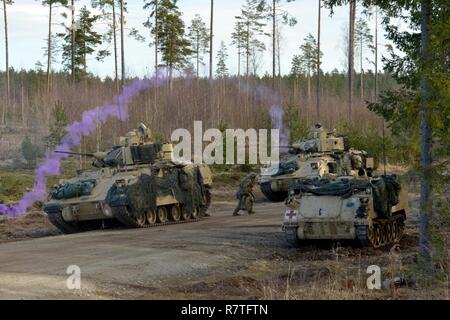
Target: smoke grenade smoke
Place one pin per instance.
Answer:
(75, 131)
(276, 112)
(277, 116)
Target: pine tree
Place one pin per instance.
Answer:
(30, 151)
(363, 41)
(86, 41)
(211, 37)
(351, 56)
(319, 22)
(277, 15)
(297, 67)
(174, 46)
(222, 56)
(49, 51)
(153, 24)
(112, 33)
(122, 39)
(308, 59)
(238, 39)
(57, 127)
(297, 70)
(252, 17)
(8, 80)
(199, 37)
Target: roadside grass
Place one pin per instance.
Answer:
(15, 182)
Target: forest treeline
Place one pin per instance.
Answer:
(77, 38)
(224, 102)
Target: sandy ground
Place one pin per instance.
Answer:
(226, 257)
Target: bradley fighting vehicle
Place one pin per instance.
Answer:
(321, 154)
(370, 210)
(136, 184)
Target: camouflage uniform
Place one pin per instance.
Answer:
(245, 195)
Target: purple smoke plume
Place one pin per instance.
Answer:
(276, 111)
(75, 131)
(277, 115)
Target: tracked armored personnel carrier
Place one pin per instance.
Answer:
(369, 210)
(321, 154)
(136, 184)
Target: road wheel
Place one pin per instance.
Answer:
(377, 237)
(129, 219)
(151, 216)
(384, 234)
(186, 213)
(140, 219)
(266, 189)
(390, 232)
(162, 214)
(194, 213)
(175, 213)
(371, 234)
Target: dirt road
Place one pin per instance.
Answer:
(223, 257)
(139, 263)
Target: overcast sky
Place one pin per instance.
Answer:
(28, 28)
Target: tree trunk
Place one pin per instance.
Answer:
(361, 68)
(426, 137)
(155, 90)
(309, 85)
(239, 66)
(8, 81)
(248, 51)
(73, 42)
(376, 54)
(156, 36)
(116, 62)
(351, 48)
(279, 60)
(197, 52)
(274, 37)
(49, 49)
(318, 63)
(122, 38)
(211, 36)
(170, 77)
(22, 103)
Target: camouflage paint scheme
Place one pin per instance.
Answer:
(321, 154)
(122, 168)
(332, 217)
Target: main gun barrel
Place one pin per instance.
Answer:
(76, 153)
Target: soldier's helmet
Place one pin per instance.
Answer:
(252, 175)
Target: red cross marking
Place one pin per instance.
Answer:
(291, 214)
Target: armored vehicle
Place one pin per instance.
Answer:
(136, 184)
(321, 154)
(370, 210)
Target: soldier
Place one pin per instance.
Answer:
(245, 194)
